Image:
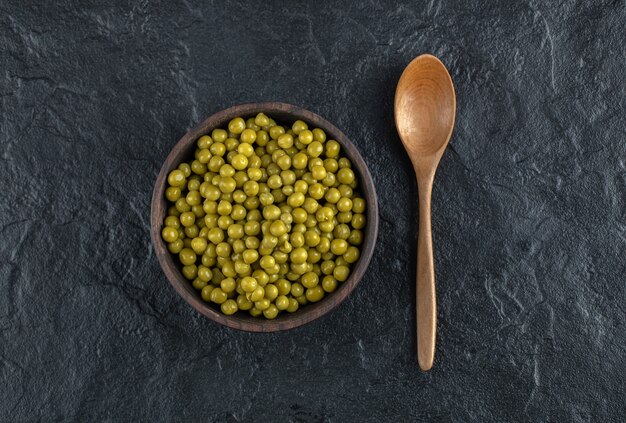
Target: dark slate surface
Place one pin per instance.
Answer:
(529, 212)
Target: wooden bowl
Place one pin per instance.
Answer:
(184, 151)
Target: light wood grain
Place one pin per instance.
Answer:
(425, 107)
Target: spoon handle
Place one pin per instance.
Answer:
(426, 306)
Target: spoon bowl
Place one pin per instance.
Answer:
(425, 106)
(424, 109)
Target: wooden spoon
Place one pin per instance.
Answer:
(425, 105)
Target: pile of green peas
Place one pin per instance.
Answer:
(265, 219)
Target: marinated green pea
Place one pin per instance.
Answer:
(344, 217)
(262, 304)
(206, 292)
(330, 180)
(254, 312)
(198, 284)
(358, 221)
(258, 294)
(239, 161)
(191, 232)
(237, 125)
(235, 231)
(223, 249)
(271, 312)
(324, 214)
(218, 296)
(204, 273)
(356, 237)
(176, 178)
(314, 294)
(176, 246)
(227, 185)
(242, 268)
(311, 238)
(299, 126)
(344, 162)
(300, 186)
(190, 272)
(169, 234)
(248, 284)
(283, 286)
(271, 292)
(271, 212)
(282, 302)
(296, 239)
(229, 307)
(293, 305)
(243, 303)
(332, 149)
(245, 150)
(204, 156)
(216, 235)
(262, 120)
(238, 212)
(248, 136)
(239, 246)
(341, 273)
(299, 161)
(284, 162)
(182, 206)
(276, 131)
(332, 195)
(299, 215)
(274, 182)
(316, 191)
(228, 285)
(198, 245)
(204, 141)
(297, 290)
(319, 135)
(309, 280)
(331, 165)
(278, 228)
(314, 256)
(315, 149)
(358, 205)
(351, 255)
(187, 256)
(285, 141)
(262, 138)
(338, 246)
(267, 262)
(298, 255)
(341, 231)
(172, 193)
(327, 267)
(329, 283)
(345, 176)
(344, 204)
(219, 135)
(187, 218)
(318, 172)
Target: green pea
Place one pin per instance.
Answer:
(314, 294)
(169, 234)
(341, 273)
(172, 193)
(299, 126)
(309, 280)
(358, 221)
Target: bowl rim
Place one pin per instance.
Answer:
(159, 205)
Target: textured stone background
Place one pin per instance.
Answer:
(529, 211)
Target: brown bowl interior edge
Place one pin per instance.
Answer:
(184, 149)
